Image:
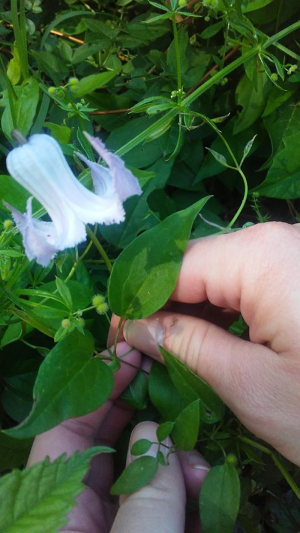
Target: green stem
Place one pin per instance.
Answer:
(177, 54)
(100, 248)
(281, 34)
(244, 198)
(117, 335)
(237, 168)
(276, 460)
(19, 27)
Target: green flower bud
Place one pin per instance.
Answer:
(98, 299)
(65, 323)
(8, 224)
(102, 308)
(274, 76)
(52, 90)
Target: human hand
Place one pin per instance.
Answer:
(255, 272)
(160, 506)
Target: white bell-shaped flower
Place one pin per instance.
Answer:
(41, 168)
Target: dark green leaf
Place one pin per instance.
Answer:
(212, 30)
(70, 383)
(193, 388)
(220, 499)
(163, 393)
(145, 274)
(13, 452)
(136, 475)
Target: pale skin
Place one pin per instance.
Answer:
(255, 271)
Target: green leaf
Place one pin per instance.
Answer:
(140, 447)
(70, 383)
(220, 499)
(163, 394)
(25, 109)
(193, 388)
(164, 430)
(136, 392)
(252, 99)
(186, 427)
(247, 148)
(65, 293)
(13, 452)
(212, 30)
(93, 82)
(253, 5)
(39, 498)
(136, 475)
(145, 274)
(219, 157)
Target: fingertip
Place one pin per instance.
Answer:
(195, 468)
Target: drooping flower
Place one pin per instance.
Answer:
(41, 168)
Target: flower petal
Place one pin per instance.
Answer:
(41, 168)
(101, 176)
(36, 235)
(125, 182)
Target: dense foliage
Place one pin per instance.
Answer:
(201, 99)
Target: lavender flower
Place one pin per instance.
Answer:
(41, 168)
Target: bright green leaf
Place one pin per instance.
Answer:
(145, 274)
(136, 475)
(140, 447)
(220, 499)
(93, 82)
(186, 427)
(39, 498)
(164, 430)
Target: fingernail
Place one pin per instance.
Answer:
(196, 461)
(146, 335)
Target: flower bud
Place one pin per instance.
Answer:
(231, 459)
(52, 90)
(8, 224)
(98, 299)
(81, 322)
(102, 308)
(65, 323)
(274, 76)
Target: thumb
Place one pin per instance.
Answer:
(160, 505)
(242, 373)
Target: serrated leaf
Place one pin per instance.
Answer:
(193, 388)
(65, 293)
(39, 498)
(145, 274)
(70, 383)
(140, 447)
(220, 499)
(136, 475)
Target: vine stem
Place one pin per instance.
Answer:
(237, 168)
(100, 248)
(276, 460)
(177, 54)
